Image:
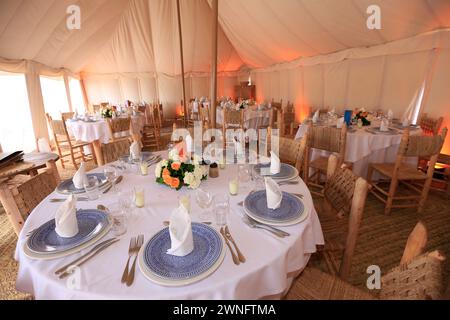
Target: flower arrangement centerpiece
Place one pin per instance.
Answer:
(363, 115)
(242, 104)
(108, 112)
(177, 172)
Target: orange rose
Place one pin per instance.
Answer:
(167, 180)
(165, 173)
(175, 183)
(176, 165)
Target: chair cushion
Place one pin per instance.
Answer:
(406, 172)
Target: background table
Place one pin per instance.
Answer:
(252, 118)
(31, 163)
(98, 132)
(271, 261)
(363, 148)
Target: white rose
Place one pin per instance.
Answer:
(188, 178)
(195, 184)
(164, 163)
(198, 172)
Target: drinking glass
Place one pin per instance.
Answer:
(244, 173)
(91, 188)
(204, 200)
(111, 174)
(119, 219)
(221, 208)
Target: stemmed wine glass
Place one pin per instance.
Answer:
(111, 174)
(204, 200)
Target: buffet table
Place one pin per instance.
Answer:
(271, 262)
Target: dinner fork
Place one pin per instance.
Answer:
(131, 250)
(139, 243)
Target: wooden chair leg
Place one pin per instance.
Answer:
(73, 159)
(390, 198)
(61, 157)
(424, 194)
(10, 206)
(369, 174)
(52, 165)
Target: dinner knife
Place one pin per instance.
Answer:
(98, 246)
(67, 273)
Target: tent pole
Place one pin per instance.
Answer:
(213, 95)
(182, 63)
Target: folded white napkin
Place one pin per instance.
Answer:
(195, 107)
(384, 125)
(80, 177)
(274, 163)
(340, 122)
(189, 144)
(273, 193)
(66, 218)
(135, 150)
(390, 114)
(180, 230)
(315, 117)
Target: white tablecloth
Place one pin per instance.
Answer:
(91, 131)
(265, 273)
(252, 118)
(363, 148)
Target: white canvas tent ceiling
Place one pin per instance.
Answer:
(142, 35)
(316, 53)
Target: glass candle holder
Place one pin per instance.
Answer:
(233, 186)
(139, 197)
(144, 168)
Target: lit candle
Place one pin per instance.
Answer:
(144, 168)
(139, 198)
(233, 186)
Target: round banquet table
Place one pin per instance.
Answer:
(268, 272)
(363, 147)
(98, 130)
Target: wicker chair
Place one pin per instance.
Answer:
(114, 150)
(327, 139)
(418, 277)
(204, 116)
(65, 145)
(277, 108)
(21, 194)
(344, 194)
(430, 126)
(119, 128)
(399, 172)
(67, 115)
(151, 133)
(96, 108)
(293, 151)
(287, 123)
(232, 119)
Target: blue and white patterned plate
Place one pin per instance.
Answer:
(168, 269)
(287, 172)
(67, 186)
(45, 240)
(291, 208)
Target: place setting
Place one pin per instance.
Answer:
(182, 253)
